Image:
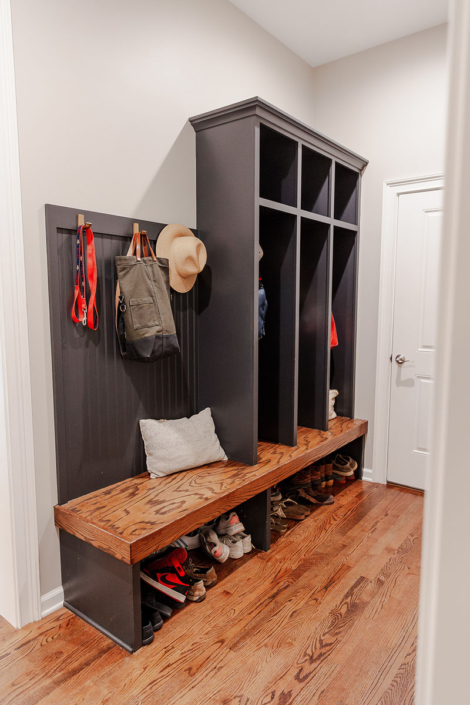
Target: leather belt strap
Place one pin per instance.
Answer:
(81, 313)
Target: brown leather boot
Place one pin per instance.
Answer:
(316, 475)
(329, 474)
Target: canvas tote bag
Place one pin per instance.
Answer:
(144, 320)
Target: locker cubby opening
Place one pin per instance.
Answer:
(314, 311)
(316, 182)
(277, 417)
(344, 287)
(346, 194)
(278, 167)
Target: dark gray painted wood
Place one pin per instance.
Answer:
(346, 194)
(228, 293)
(101, 590)
(277, 368)
(327, 185)
(314, 325)
(255, 515)
(272, 116)
(316, 182)
(344, 310)
(100, 397)
(278, 167)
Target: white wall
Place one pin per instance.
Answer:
(388, 104)
(104, 91)
(8, 585)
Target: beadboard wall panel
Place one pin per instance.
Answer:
(99, 397)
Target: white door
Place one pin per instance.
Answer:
(414, 336)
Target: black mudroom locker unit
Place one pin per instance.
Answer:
(264, 178)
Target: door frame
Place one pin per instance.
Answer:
(16, 421)
(391, 193)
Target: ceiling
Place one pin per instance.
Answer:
(324, 30)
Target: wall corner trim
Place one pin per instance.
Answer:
(17, 422)
(52, 601)
(368, 475)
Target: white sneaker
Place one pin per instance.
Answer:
(234, 544)
(229, 524)
(211, 544)
(246, 541)
(189, 542)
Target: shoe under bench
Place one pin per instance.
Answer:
(104, 535)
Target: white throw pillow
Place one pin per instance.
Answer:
(333, 394)
(181, 444)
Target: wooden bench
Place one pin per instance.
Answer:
(105, 534)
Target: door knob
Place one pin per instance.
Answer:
(401, 359)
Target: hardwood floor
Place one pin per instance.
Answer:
(328, 616)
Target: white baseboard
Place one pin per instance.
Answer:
(367, 475)
(52, 601)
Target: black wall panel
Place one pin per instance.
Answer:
(100, 397)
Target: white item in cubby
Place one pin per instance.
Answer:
(332, 413)
(180, 444)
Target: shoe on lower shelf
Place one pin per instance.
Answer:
(276, 495)
(278, 525)
(210, 544)
(197, 591)
(310, 497)
(147, 632)
(317, 475)
(228, 525)
(300, 478)
(329, 479)
(341, 479)
(200, 572)
(167, 575)
(234, 544)
(344, 465)
(292, 510)
(152, 616)
(188, 542)
(149, 601)
(320, 497)
(246, 541)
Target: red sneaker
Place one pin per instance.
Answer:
(168, 576)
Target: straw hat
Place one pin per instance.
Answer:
(186, 253)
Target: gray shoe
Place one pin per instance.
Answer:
(246, 541)
(320, 497)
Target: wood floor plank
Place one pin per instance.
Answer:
(328, 616)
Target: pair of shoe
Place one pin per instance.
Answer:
(344, 468)
(309, 497)
(290, 509)
(167, 575)
(321, 474)
(152, 622)
(225, 538)
(286, 509)
(304, 486)
(276, 495)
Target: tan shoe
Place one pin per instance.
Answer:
(292, 510)
(200, 572)
(197, 591)
(344, 465)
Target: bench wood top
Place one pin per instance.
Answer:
(135, 517)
